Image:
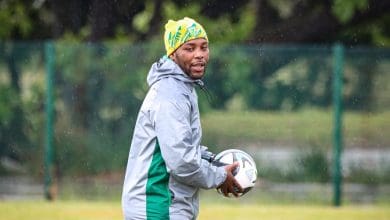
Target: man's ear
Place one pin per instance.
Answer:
(172, 56)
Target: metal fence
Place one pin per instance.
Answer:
(92, 92)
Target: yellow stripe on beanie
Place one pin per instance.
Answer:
(181, 31)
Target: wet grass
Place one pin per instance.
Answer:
(88, 210)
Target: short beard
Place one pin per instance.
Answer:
(187, 72)
(197, 77)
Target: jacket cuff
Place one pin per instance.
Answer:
(221, 176)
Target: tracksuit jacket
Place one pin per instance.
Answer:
(165, 169)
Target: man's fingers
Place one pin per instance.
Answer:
(225, 191)
(235, 165)
(236, 188)
(231, 185)
(238, 185)
(232, 167)
(235, 193)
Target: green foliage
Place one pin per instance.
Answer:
(221, 29)
(309, 166)
(7, 104)
(15, 141)
(99, 88)
(345, 9)
(314, 165)
(141, 20)
(14, 16)
(227, 72)
(21, 116)
(226, 21)
(308, 126)
(278, 80)
(361, 174)
(101, 92)
(376, 32)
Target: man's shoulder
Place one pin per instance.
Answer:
(166, 93)
(172, 88)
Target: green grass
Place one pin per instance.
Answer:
(292, 212)
(309, 127)
(59, 210)
(87, 210)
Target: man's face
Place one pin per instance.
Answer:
(192, 57)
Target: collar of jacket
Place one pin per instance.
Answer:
(165, 68)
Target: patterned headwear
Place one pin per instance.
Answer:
(181, 31)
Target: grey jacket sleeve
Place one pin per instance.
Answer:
(181, 155)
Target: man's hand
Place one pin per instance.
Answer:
(230, 183)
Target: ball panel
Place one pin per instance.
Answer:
(245, 173)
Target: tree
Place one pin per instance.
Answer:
(299, 21)
(314, 21)
(136, 21)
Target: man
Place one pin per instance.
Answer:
(165, 168)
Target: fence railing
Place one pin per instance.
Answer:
(92, 93)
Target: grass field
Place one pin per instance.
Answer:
(307, 126)
(88, 210)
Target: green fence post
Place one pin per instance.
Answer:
(48, 164)
(338, 63)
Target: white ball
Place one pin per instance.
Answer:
(245, 173)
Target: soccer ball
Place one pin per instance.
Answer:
(245, 173)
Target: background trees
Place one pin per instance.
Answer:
(257, 77)
(304, 21)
